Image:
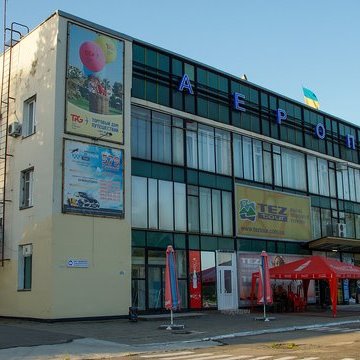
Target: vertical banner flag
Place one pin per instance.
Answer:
(172, 295)
(264, 289)
(311, 99)
(195, 279)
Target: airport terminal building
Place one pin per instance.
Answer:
(112, 148)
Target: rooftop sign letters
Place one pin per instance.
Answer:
(238, 102)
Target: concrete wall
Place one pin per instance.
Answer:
(33, 73)
(102, 289)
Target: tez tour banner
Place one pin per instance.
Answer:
(94, 88)
(93, 180)
(270, 214)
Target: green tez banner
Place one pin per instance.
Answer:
(262, 213)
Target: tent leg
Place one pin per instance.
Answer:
(265, 318)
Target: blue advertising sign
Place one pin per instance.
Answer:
(93, 180)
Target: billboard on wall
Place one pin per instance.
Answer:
(94, 87)
(93, 180)
(267, 214)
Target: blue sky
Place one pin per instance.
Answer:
(279, 44)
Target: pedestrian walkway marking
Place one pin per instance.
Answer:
(156, 356)
(333, 329)
(239, 357)
(191, 355)
(202, 356)
(185, 357)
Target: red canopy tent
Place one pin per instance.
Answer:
(312, 268)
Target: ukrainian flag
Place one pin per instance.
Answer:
(311, 99)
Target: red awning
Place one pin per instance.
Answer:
(314, 267)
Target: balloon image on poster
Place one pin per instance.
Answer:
(94, 91)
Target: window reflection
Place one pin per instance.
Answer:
(208, 279)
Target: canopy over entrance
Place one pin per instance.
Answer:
(312, 268)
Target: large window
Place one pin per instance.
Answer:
(26, 188)
(318, 176)
(25, 267)
(293, 169)
(191, 145)
(210, 208)
(161, 137)
(208, 149)
(140, 133)
(29, 122)
(243, 157)
(158, 204)
(139, 200)
(222, 149)
(156, 136)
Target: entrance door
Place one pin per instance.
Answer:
(156, 285)
(226, 281)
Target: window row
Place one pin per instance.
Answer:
(160, 137)
(326, 222)
(167, 205)
(262, 162)
(270, 164)
(157, 75)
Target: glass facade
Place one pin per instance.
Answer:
(184, 170)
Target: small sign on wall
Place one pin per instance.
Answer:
(77, 263)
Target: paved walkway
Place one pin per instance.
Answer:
(22, 339)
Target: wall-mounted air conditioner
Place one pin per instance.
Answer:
(14, 129)
(27, 250)
(340, 230)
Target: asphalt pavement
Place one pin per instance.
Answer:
(95, 339)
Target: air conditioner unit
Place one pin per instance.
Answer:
(340, 230)
(27, 250)
(14, 129)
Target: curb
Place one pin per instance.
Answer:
(277, 330)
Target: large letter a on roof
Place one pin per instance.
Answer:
(185, 84)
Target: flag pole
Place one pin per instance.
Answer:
(264, 287)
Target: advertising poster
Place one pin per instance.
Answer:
(248, 263)
(93, 180)
(262, 213)
(94, 89)
(195, 279)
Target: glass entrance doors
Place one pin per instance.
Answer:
(156, 278)
(226, 281)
